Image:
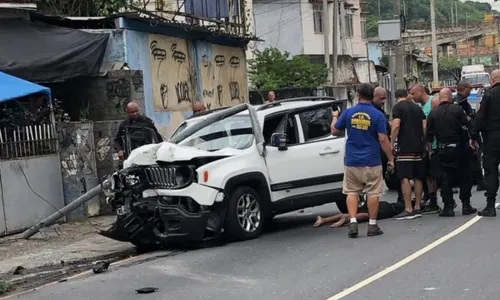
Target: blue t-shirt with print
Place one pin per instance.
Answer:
(363, 123)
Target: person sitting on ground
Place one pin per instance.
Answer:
(386, 210)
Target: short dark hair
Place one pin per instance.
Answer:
(365, 91)
(427, 90)
(462, 85)
(401, 93)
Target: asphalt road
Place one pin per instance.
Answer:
(295, 261)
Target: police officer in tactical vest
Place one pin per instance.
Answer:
(137, 130)
(487, 123)
(449, 124)
(463, 92)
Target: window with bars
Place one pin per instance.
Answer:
(349, 32)
(318, 17)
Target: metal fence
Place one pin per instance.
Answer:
(28, 141)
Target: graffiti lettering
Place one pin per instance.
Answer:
(118, 89)
(208, 93)
(209, 106)
(205, 61)
(178, 56)
(103, 148)
(182, 92)
(234, 62)
(220, 60)
(219, 94)
(137, 80)
(163, 95)
(234, 90)
(158, 54)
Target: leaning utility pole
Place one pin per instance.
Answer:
(335, 39)
(398, 51)
(435, 76)
(326, 40)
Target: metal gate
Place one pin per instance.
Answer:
(30, 176)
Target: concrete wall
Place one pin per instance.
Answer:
(178, 72)
(279, 25)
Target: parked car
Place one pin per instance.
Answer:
(230, 172)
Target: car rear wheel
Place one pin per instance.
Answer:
(245, 218)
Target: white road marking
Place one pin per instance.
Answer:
(407, 259)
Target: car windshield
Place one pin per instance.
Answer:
(232, 132)
(477, 79)
(183, 126)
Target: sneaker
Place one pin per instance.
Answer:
(406, 216)
(374, 230)
(431, 209)
(447, 212)
(488, 211)
(417, 212)
(353, 230)
(467, 209)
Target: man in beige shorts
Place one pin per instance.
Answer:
(366, 134)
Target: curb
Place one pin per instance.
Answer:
(34, 277)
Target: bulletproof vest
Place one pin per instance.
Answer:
(139, 133)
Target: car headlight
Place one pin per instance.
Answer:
(183, 175)
(108, 186)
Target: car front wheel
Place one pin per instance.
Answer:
(245, 218)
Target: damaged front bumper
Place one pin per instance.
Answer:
(164, 216)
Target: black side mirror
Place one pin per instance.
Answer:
(279, 140)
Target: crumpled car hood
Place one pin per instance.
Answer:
(168, 152)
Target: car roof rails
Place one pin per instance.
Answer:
(309, 98)
(207, 112)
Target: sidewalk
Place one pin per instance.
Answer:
(59, 247)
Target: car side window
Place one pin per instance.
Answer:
(316, 123)
(277, 124)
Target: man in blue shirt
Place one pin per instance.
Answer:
(366, 133)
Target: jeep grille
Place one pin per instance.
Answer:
(159, 177)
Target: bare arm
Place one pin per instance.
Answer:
(395, 125)
(386, 146)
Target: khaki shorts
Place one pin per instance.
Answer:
(369, 180)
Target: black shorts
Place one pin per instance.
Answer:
(411, 167)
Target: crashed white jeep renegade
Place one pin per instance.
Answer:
(229, 171)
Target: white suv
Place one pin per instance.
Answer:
(230, 171)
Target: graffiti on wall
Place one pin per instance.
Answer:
(223, 76)
(76, 150)
(119, 91)
(171, 71)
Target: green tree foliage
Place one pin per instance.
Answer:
(451, 65)
(271, 69)
(418, 13)
(81, 8)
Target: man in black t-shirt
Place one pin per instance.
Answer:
(408, 127)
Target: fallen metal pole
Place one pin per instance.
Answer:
(63, 211)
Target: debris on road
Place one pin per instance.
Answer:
(100, 267)
(146, 290)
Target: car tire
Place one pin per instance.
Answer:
(244, 210)
(342, 204)
(144, 245)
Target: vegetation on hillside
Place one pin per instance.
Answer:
(418, 13)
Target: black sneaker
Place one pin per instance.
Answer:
(407, 216)
(431, 209)
(447, 212)
(374, 230)
(417, 212)
(467, 209)
(353, 230)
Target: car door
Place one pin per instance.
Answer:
(312, 164)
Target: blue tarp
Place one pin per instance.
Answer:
(12, 87)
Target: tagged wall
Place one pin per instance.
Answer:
(223, 75)
(172, 82)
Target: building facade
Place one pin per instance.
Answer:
(296, 26)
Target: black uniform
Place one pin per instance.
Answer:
(449, 125)
(133, 133)
(475, 156)
(487, 123)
